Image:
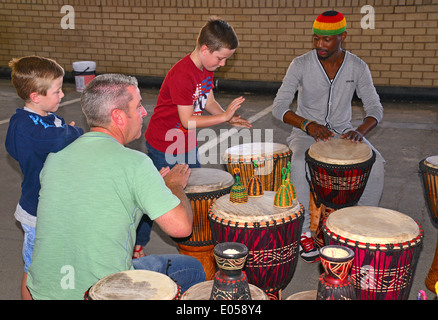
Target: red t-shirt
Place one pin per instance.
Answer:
(185, 85)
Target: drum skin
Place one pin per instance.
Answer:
(134, 285)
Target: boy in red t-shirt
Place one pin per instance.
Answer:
(185, 93)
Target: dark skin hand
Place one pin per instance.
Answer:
(320, 132)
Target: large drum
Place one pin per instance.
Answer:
(386, 244)
(202, 291)
(205, 185)
(271, 234)
(339, 170)
(270, 159)
(134, 285)
(429, 171)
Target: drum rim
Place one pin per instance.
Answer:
(239, 158)
(348, 162)
(254, 225)
(210, 187)
(376, 246)
(365, 163)
(176, 293)
(425, 168)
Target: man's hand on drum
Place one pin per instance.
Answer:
(353, 136)
(319, 132)
(178, 176)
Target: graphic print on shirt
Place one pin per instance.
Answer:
(199, 99)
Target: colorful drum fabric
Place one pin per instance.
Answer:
(271, 234)
(269, 157)
(386, 244)
(339, 170)
(134, 285)
(429, 170)
(205, 185)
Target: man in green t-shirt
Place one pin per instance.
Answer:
(93, 194)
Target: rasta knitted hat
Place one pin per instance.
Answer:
(329, 23)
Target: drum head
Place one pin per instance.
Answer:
(340, 151)
(432, 162)
(256, 150)
(372, 225)
(304, 295)
(208, 179)
(256, 210)
(202, 291)
(134, 285)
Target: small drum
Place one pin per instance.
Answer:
(205, 185)
(339, 170)
(386, 244)
(271, 234)
(202, 291)
(304, 295)
(134, 285)
(429, 170)
(270, 158)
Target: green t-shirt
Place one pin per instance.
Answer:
(93, 194)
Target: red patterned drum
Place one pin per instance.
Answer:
(339, 170)
(271, 234)
(386, 244)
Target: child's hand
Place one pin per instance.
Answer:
(239, 122)
(232, 108)
(72, 123)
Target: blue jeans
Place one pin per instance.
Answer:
(160, 161)
(28, 244)
(186, 271)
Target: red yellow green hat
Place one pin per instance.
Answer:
(329, 23)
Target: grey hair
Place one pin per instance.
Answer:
(103, 94)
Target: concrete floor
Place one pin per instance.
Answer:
(408, 134)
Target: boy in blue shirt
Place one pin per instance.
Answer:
(35, 131)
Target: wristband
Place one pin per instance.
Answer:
(305, 124)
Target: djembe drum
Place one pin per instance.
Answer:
(339, 170)
(134, 285)
(386, 244)
(271, 234)
(205, 185)
(270, 159)
(429, 171)
(202, 291)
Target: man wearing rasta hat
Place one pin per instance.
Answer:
(326, 79)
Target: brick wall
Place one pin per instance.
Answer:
(146, 37)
